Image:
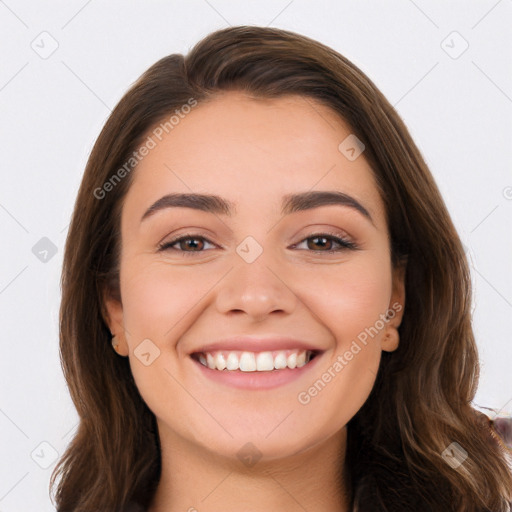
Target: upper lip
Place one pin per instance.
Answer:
(257, 344)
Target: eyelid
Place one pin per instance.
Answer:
(192, 231)
(344, 241)
(162, 246)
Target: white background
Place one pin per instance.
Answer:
(458, 110)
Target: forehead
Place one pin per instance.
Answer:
(253, 152)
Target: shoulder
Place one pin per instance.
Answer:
(503, 428)
(502, 431)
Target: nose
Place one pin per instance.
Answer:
(257, 289)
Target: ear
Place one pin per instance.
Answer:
(113, 317)
(391, 336)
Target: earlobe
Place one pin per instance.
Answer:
(391, 336)
(112, 312)
(391, 340)
(120, 348)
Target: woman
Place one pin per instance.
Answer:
(259, 239)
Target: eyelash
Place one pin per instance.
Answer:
(345, 244)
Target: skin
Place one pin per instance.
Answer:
(252, 152)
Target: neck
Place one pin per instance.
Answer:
(193, 480)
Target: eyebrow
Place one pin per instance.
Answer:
(291, 203)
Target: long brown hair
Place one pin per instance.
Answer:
(421, 401)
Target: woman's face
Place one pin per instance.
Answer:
(270, 271)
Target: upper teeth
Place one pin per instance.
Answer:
(255, 361)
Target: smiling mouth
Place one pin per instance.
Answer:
(246, 361)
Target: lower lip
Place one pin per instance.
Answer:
(256, 380)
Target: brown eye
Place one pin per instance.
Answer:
(191, 243)
(322, 240)
(186, 244)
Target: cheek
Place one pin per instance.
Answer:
(158, 298)
(342, 383)
(351, 297)
(351, 304)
